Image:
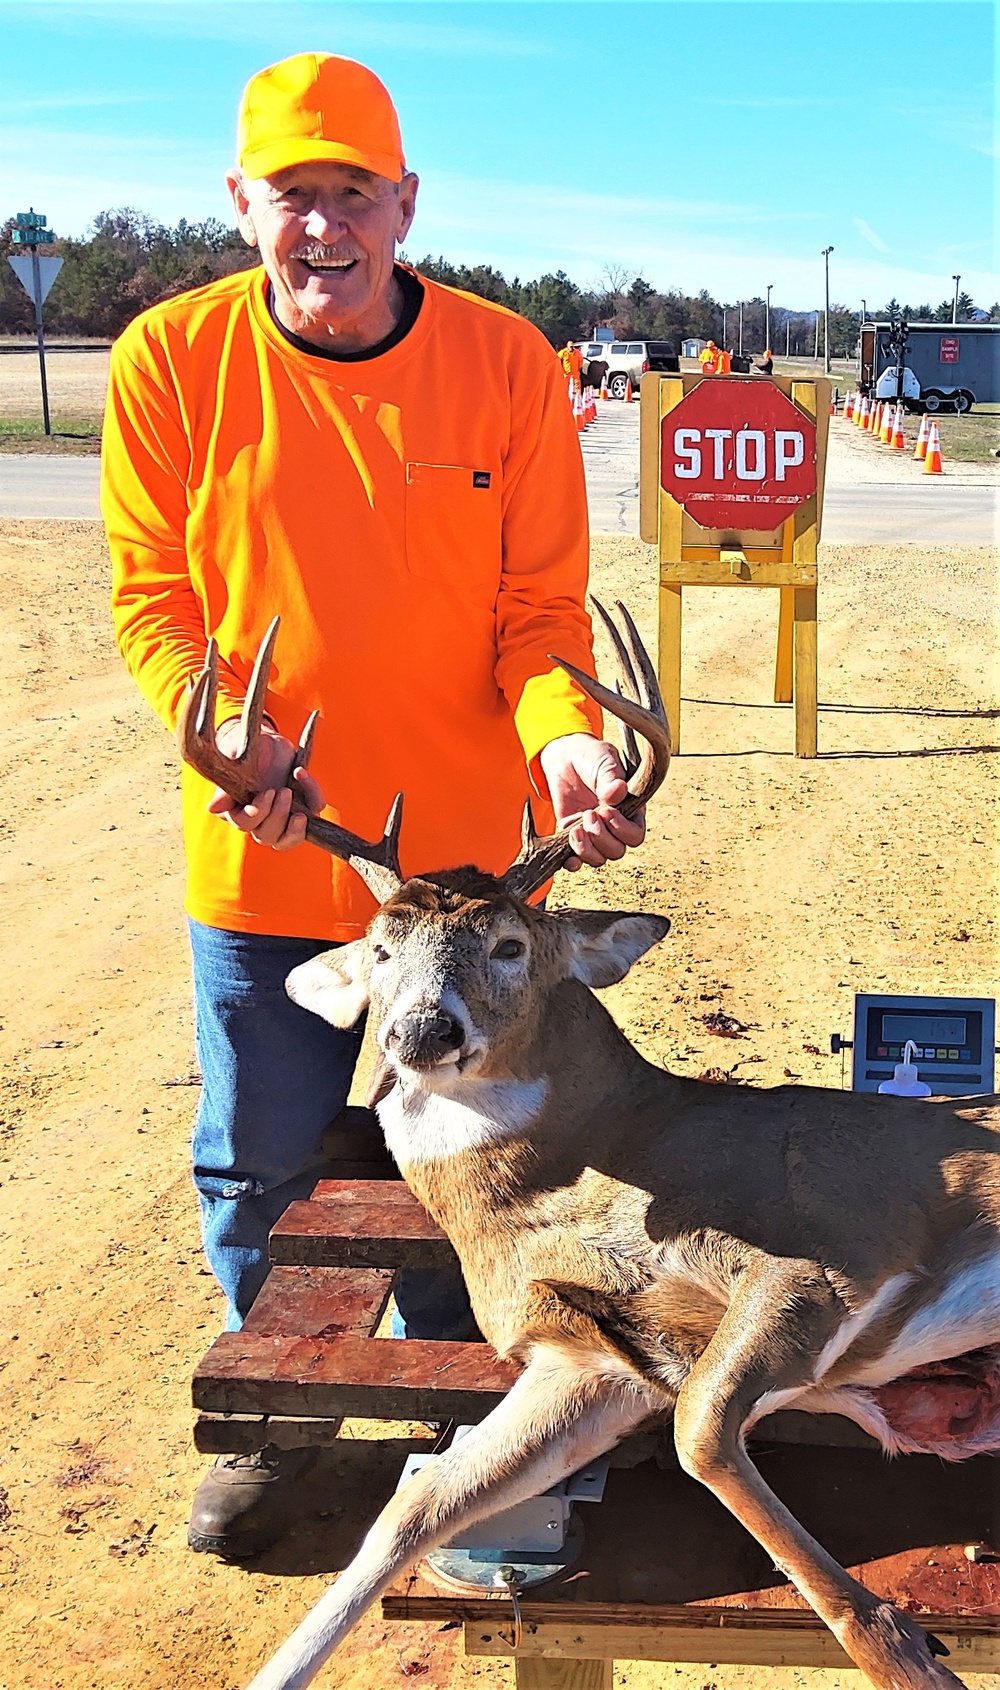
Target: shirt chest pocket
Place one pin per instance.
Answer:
(453, 526)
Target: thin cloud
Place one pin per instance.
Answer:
(868, 233)
(769, 102)
(80, 102)
(476, 202)
(234, 21)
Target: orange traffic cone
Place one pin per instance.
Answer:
(628, 390)
(897, 438)
(604, 387)
(920, 450)
(885, 432)
(591, 405)
(861, 415)
(875, 423)
(932, 458)
(849, 408)
(578, 410)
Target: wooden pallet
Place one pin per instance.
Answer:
(666, 1573)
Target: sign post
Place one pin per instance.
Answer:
(731, 493)
(36, 276)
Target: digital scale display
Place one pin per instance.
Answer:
(952, 1039)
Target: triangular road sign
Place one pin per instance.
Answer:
(48, 270)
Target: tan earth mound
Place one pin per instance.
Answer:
(791, 885)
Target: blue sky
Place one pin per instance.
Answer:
(701, 144)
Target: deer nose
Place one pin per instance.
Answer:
(422, 1037)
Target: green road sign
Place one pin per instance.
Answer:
(32, 237)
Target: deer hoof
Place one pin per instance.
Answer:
(894, 1651)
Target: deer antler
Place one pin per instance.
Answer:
(376, 862)
(639, 708)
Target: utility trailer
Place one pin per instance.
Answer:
(944, 366)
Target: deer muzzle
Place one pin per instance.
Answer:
(424, 1038)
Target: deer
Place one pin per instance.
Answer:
(643, 1244)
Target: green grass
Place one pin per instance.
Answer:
(972, 439)
(78, 436)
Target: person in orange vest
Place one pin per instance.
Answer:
(725, 363)
(767, 365)
(708, 358)
(571, 359)
(333, 378)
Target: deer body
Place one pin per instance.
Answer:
(642, 1243)
(653, 1195)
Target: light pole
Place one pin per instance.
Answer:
(767, 319)
(725, 309)
(788, 333)
(741, 328)
(826, 315)
(954, 308)
(864, 311)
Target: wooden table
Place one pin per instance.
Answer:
(666, 1573)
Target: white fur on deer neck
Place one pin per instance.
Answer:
(427, 1126)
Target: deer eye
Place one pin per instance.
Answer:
(507, 950)
(380, 953)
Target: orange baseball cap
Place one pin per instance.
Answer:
(317, 106)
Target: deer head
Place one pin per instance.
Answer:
(454, 969)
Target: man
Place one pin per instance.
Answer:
(392, 467)
(571, 359)
(708, 358)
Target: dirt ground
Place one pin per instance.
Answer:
(791, 885)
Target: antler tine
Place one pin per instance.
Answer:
(539, 859)
(628, 675)
(252, 714)
(196, 736)
(376, 862)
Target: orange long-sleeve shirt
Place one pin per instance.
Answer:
(418, 520)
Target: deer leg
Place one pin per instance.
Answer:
(558, 1416)
(767, 1344)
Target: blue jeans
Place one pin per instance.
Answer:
(273, 1077)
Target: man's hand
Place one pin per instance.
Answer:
(586, 781)
(269, 818)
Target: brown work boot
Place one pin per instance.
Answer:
(246, 1502)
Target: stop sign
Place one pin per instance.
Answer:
(738, 454)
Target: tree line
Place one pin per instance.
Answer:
(127, 262)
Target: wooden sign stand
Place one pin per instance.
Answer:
(692, 556)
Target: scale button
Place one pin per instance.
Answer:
(953, 1056)
(893, 1050)
(882, 1051)
(918, 1051)
(942, 1054)
(966, 1056)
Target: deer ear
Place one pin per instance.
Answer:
(334, 985)
(602, 945)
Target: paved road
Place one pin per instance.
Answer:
(929, 513)
(916, 513)
(33, 487)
